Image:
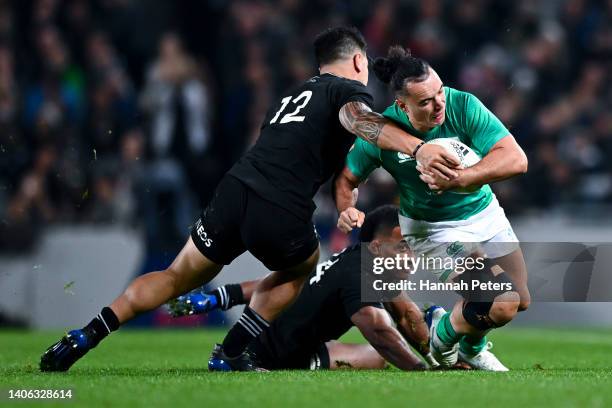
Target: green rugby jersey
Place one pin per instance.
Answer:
(468, 121)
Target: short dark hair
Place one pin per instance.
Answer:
(338, 43)
(381, 219)
(400, 68)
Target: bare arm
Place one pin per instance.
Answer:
(505, 159)
(410, 322)
(345, 189)
(359, 119)
(376, 327)
(345, 195)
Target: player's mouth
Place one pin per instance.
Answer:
(438, 118)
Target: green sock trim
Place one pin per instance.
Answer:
(446, 332)
(471, 345)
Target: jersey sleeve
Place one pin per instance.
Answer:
(351, 295)
(363, 159)
(347, 91)
(483, 128)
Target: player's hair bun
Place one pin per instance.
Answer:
(384, 68)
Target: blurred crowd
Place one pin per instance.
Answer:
(129, 111)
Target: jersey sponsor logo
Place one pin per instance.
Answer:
(454, 248)
(202, 234)
(403, 157)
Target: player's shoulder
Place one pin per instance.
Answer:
(341, 87)
(333, 88)
(458, 98)
(335, 80)
(349, 260)
(394, 112)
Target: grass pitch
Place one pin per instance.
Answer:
(168, 368)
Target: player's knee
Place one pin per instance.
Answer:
(135, 294)
(140, 291)
(505, 308)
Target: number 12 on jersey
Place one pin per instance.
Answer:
(304, 98)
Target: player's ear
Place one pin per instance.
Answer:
(401, 104)
(374, 247)
(358, 62)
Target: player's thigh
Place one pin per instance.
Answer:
(355, 356)
(191, 268)
(281, 240)
(216, 233)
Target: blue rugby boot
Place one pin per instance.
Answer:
(63, 354)
(247, 361)
(193, 303)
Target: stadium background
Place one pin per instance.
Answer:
(117, 118)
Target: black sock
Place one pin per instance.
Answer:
(228, 295)
(101, 326)
(249, 326)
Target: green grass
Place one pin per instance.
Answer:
(168, 368)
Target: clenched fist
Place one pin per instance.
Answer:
(349, 219)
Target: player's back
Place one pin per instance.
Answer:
(301, 143)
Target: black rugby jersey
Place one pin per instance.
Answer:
(301, 143)
(323, 309)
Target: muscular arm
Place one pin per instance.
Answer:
(505, 159)
(345, 196)
(345, 189)
(359, 119)
(376, 327)
(410, 323)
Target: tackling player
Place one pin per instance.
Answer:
(437, 222)
(264, 203)
(304, 335)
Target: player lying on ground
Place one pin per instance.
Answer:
(436, 221)
(304, 335)
(264, 203)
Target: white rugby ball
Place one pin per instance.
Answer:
(463, 153)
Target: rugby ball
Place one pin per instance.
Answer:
(466, 156)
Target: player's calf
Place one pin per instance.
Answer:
(189, 270)
(273, 294)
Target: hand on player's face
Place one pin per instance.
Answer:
(434, 181)
(437, 160)
(349, 219)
